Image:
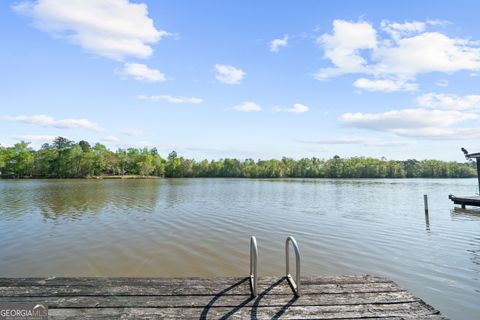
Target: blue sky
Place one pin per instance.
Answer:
(259, 79)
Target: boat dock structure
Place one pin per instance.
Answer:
(465, 200)
(469, 200)
(251, 297)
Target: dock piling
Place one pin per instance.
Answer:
(425, 203)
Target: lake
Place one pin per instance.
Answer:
(202, 227)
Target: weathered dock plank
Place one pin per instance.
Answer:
(310, 312)
(204, 282)
(193, 289)
(352, 297)
(227, 301)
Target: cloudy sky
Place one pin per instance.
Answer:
(257, 79)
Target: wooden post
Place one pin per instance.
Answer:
(425, 203)
(427, 218)
(427, 221)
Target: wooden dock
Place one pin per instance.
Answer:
(341, 297)
(465, 200)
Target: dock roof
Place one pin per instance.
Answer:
(473, 155)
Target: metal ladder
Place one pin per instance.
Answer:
(253, 265)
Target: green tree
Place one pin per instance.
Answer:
(173, 168)
(84, 145)
(66, 159)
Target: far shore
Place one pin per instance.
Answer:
(131, 177)
(65, 158)
(87, 177)
(123, 177)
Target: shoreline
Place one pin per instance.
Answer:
(87, 177)
(119, 177)
(133, 177)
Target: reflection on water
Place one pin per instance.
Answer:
(427, 221)
(72, 199)
(470, 213)
(201, 227)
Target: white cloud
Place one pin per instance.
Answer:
(438, 22)
(388, 85)
(427, 52)
(111, 139)
(405, 119)
(34, 138)
(416, 123)
(110, 28)
(171, 99)
(144, 144)
(442, 133)
(438, 116)
(229, 74)
(399, 30)
(449, 101)
(132, 132)
(248, 107)
(48, 121)
(360, 140)
(297, 108)
(276, 44)
(142, 72)
(342, 47)
(403, 51)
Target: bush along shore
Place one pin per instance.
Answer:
(66, 159)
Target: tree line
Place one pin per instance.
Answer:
(65, 158)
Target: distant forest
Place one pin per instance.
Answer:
(66, 159)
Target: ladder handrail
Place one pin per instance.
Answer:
(295, 284)
(253, 266)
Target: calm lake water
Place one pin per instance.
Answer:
(202, 227)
